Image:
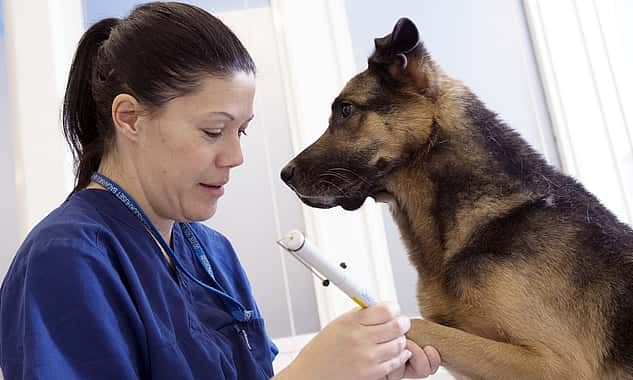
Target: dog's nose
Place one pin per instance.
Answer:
(287, 172)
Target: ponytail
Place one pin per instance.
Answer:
(85, 134)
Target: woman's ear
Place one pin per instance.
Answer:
(125, 114)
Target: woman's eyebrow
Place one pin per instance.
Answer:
(228, 115)
(220, 113)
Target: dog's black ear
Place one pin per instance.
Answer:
(402, 40)
(403, 56)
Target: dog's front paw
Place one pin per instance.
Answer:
(419, 332)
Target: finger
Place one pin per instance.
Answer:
(389, 366)
(397, 374)
(389, 350)
(418, 365)
(433, 357)
(379, 314)
(389, 330)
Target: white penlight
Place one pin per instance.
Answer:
(304, 251)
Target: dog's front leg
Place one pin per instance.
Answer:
(481, 358)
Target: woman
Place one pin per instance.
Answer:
(120, 282)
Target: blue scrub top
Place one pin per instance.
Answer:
(89, 295)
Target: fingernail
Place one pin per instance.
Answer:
(405, 323)
(394, 308)
(408, 354)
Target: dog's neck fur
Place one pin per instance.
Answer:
(453, 184)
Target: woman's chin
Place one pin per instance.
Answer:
(202, 213)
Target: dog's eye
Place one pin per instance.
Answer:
(346, 110)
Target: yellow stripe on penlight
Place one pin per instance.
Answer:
(359, 302)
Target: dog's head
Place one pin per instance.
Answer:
(383, 116)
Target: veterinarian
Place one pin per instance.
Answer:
(120, 282)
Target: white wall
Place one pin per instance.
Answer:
(589, 91)
(8, 209)
(624, 14)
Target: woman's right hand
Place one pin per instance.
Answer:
(363, 344)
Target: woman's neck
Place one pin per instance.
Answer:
(133, 187)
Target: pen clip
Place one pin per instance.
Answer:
(324, 280)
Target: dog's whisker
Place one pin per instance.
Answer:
(351, 172)
(337, 176)
(304, 196)
(341, 192)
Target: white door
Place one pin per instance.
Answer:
(257, 208)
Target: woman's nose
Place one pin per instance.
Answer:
(231, 156)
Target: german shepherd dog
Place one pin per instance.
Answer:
(523, 274)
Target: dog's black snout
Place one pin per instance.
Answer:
(287, 172)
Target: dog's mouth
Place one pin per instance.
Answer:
(330, 184)
(348, 202)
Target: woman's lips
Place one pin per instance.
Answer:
(214, 190)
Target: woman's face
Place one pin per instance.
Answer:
(187, 149)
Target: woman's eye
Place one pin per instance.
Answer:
(346, 110)
(241, 132)
(213, 134)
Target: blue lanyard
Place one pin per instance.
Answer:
(237, 310)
